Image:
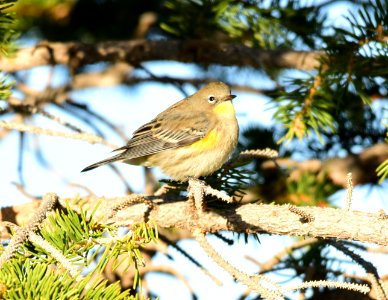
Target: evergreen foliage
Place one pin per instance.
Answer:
(7, 31)
(34, 273)
(29, 278)
(7, 37)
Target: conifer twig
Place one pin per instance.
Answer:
(55, 253)
(362, 288)
(88, 137)
(171, 271)
(267, 152)
(59, 120)
(274, 260)
(22, 190)
(366, 265)
(10, 225)
(349, 190)
(130, 200)
(220, 195)
(248, 155)
(192, 260)
(50, 200)
(256, 283)
(163, 190)
(377, 286)
(304, 217)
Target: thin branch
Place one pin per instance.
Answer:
(361, 288)
(373, 275)
(128, 201)
(22, 148)
(113, 75)
(59, 120)
(50, 200)
(96, 81)
(257, 283)
(10, 225)
(81, 115)
(88, 137)
(304, 217)
(366, 265)
(99, 117)
(85, 188)
(54, 252)
(335, 168)
(171, 271)
(377, 286)
(349, 189)
(22, 190)
(190, 258)
(271, 263)
(247, 156)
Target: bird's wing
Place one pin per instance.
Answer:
(167, 132)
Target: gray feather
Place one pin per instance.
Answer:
(103, 162)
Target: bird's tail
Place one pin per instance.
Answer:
(103, 162)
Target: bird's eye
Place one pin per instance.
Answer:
(212, 99)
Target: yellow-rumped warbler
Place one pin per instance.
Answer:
(191, 138)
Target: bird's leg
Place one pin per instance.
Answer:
(196, 191)
(198, 188)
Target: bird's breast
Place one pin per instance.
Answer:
(224, 131)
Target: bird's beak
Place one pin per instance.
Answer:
(230, 97)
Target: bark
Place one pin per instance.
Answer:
(248, 218)
(134, 52)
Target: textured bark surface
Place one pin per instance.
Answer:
(248, 218)
(136, 51)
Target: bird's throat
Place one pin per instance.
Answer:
(225, 109)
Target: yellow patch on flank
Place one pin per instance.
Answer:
(209, 142)
(213, 138)
(224, 109)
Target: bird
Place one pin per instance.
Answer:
(192, 138)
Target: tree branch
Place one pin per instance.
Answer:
(249, 218)
(50, 200)
(361, 165)
(135, 52)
